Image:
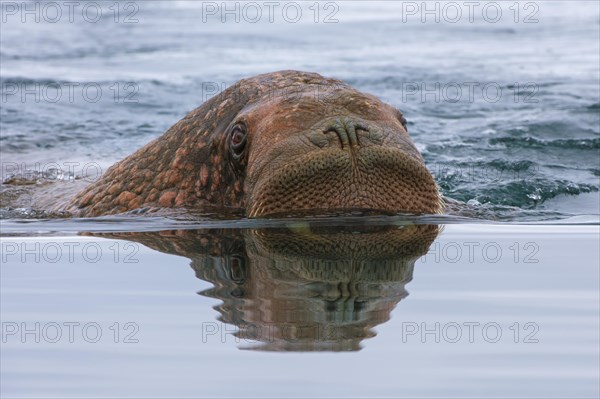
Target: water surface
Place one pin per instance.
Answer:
(502, 301)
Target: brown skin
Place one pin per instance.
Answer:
(273, 144)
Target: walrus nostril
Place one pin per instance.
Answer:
(346, 130)
(341, 133)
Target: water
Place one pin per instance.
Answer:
(341, 329)
(505, 114)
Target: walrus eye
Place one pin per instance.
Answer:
(238, 140)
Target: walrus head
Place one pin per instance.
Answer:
(279, 143)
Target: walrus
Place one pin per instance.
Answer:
(271, 145)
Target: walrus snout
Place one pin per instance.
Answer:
(374, 178)
(349, 163)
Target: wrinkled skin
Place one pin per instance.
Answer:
(273, 144)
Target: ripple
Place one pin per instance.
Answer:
(583, 144)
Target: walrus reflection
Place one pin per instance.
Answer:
(301, 289)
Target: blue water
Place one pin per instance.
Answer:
(524, 153)
(505, 113)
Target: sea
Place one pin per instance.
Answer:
(502, 99)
